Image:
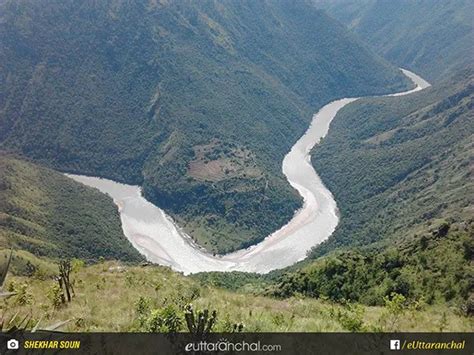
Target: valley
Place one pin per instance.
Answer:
(162, 241)
(430, 37)
(167, 78)
(266, 165)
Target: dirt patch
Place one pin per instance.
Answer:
(218, 161)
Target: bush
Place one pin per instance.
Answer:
(164, 320)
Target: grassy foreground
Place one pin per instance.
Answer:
(115, 297)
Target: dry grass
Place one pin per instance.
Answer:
(106, 295)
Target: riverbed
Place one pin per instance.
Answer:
(155, 235)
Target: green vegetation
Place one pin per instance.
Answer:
(47, 214)
(432, 37)
(433, 267)
(157, 299)
(132, 90)
(397, 164)
(234, 281)
(406, 229)
(198, 101)
(199, 322)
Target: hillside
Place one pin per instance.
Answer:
(47, 214)
(433, 266)
(197, 101)
(417, 149)
(154, 299)
(431, 37)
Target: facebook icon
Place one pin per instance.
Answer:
(394, 344)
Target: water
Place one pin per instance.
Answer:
(154, 234)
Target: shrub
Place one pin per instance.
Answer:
(23, 296)
(56, 296)
(165, 320)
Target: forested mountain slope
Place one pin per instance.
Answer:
(431, 37)
(396, 163)
(433, 266)
(400, 169)
(48, 214)
(198, 101)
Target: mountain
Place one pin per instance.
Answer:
(46, 214)
(418, 150)
(197, 101)
(400, 168)
(431, 37)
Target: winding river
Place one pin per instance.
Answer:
(155, 235)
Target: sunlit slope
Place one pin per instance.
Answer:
(48, 214)
(395, 164)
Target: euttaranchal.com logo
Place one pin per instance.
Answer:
(226, 345)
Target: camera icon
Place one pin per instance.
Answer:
(13, 344)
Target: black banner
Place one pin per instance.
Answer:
(237, 343)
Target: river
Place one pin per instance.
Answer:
(155, 235)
